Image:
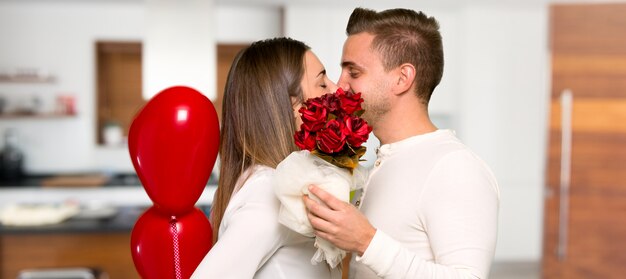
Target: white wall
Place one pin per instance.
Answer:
(60, 37)
(503, 115)
(179, 46)
(493, 93)
(260, 22)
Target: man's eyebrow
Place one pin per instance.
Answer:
(347, 64)
(323, 72)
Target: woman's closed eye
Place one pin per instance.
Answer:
(322, 79)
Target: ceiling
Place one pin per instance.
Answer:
(353, 3)
(374, 4)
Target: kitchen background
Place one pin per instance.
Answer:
(494, 92)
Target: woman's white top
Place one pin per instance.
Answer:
(251, 242)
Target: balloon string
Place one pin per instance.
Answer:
(176, 251)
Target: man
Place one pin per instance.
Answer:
(430, 206)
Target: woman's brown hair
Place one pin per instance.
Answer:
(257, 113)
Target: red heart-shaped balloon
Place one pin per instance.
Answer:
(154, 238)
(173, 143)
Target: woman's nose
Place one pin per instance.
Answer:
(332, 87)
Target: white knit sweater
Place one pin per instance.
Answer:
(435, 206)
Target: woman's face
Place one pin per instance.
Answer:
(314, 83)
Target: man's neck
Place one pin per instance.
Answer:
(407, 119)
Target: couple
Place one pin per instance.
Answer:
(429, 208)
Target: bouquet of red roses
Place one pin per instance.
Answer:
(333, 129)
(331, 138)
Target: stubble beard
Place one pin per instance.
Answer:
(376, 107)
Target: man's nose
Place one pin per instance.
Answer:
(341, 83)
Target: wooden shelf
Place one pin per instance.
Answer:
(35, 116)
(26, 79)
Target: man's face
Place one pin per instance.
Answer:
(362, 71)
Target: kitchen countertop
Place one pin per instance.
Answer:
(110, 195)
(124, 193)
(120, 190)
(116, 179)
(122, 222)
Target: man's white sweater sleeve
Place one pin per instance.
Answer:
(389, 259)
(459, 212)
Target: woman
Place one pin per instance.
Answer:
(266, 85)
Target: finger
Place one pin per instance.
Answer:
(323, 235)
(320, 224)
(317, 209)
(305, 200)
(328, 199)
(308, 202)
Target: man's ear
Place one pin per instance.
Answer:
(406, 78)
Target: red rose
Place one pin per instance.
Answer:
(331, 122)
(305, 140)
(312, 127)
(356, 130)
(313, 115)
(350, 101)
(331, 139)
(314, 102)
(332, 103)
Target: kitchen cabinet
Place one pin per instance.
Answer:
(109, 252)
(96, 243)
(103, 244)
(100, 244)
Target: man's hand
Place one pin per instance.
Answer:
(338, 222)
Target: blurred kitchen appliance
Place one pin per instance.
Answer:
(11, 158)
(63, 273)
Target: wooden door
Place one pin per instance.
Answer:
(585, 207)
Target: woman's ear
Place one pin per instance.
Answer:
(295, 102)
(406, 78)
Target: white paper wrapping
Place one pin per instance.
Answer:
(293, 175)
